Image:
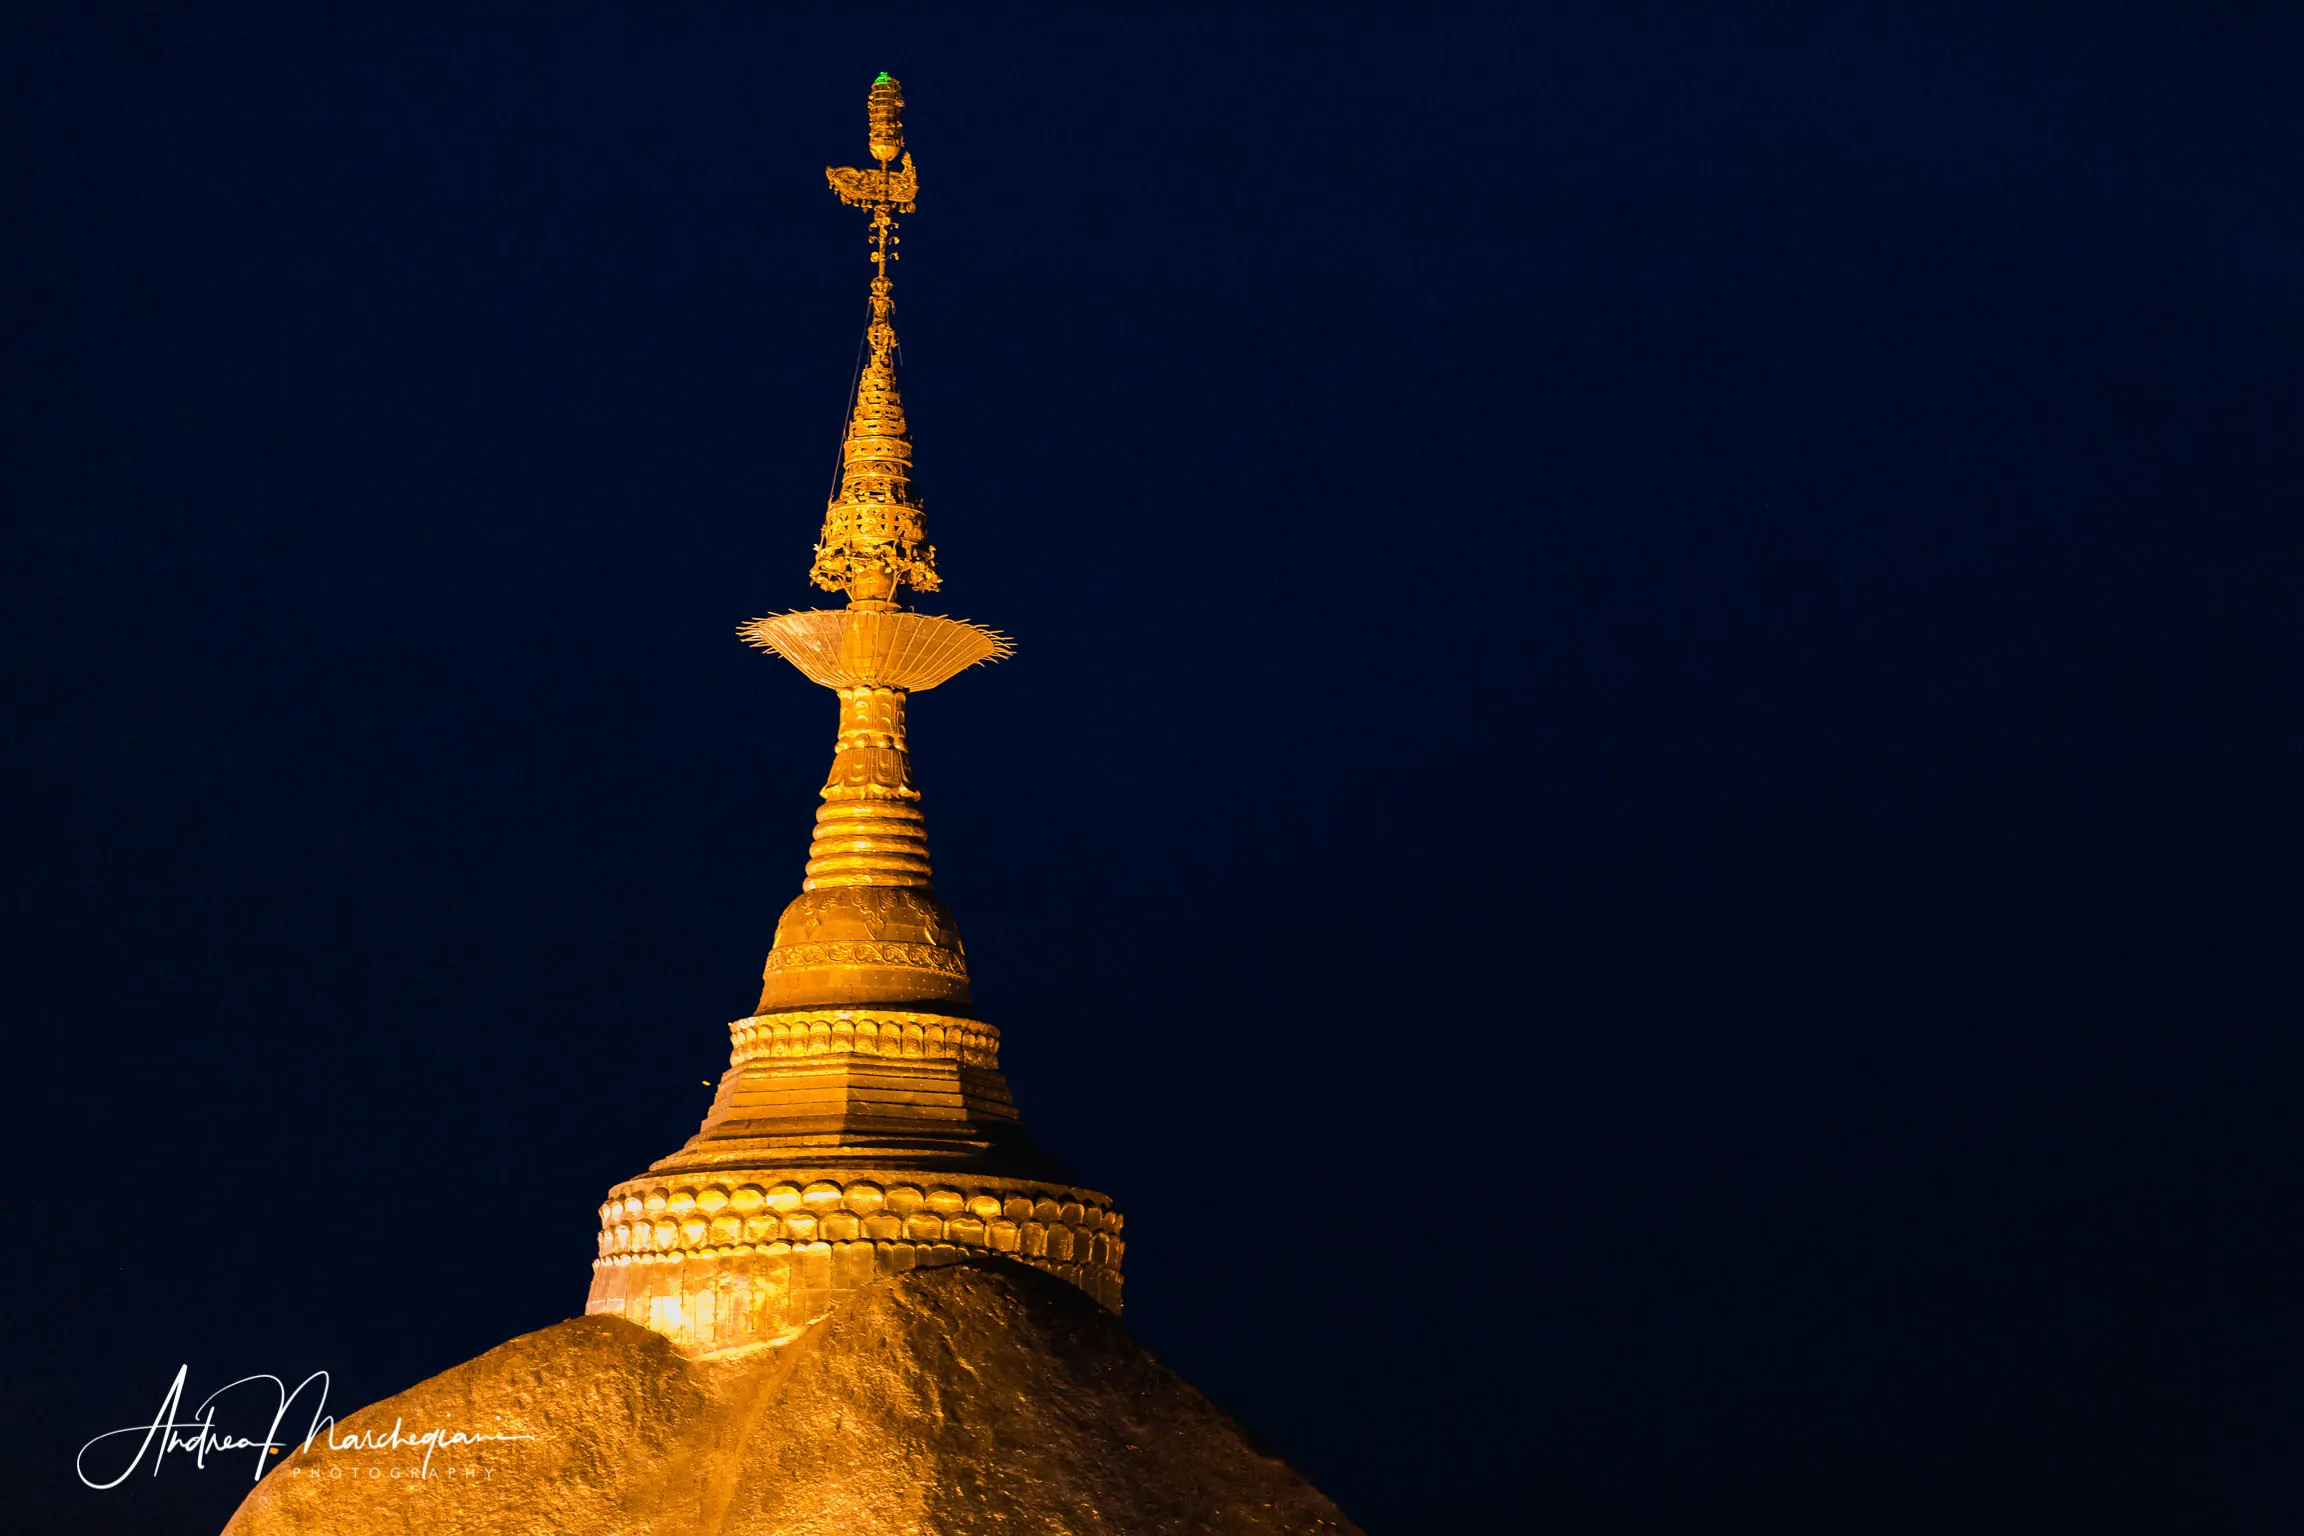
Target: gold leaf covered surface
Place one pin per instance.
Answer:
(960, 1401)
(859, 648)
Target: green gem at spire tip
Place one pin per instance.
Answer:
(881, 78)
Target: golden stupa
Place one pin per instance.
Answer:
(821, 1314)
(862, 1127)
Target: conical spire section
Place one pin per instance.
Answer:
(874, 540)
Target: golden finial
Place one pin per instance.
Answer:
(884, 108)
(874, 541)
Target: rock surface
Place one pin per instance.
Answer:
(970, 1399)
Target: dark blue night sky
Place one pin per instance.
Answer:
(1649, 818)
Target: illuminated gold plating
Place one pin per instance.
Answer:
(852, 649)
(874, 541)
(862, 1127)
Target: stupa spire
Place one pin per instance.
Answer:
(863, 1126)
(873, 541)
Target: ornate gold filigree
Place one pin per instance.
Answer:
(862, 648)
(876, 188)
(873, 1032)
(874, 540)
(752, 1257)
(866, 930)
(916, 957)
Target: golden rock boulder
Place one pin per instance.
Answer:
(978, 1398)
